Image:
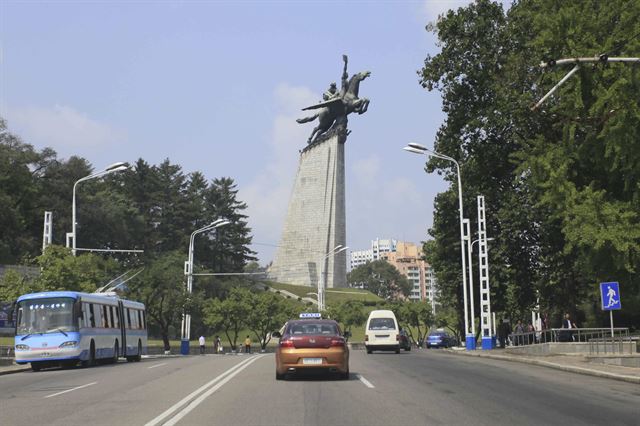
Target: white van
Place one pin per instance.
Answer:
(382, 332)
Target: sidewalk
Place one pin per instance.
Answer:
(571, 363)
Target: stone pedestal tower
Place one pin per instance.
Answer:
(316, 220)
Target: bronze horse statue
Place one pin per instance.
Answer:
(337, 108)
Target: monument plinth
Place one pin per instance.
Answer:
(316, 218)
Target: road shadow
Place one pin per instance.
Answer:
(319, 377)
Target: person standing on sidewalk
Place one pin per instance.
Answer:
(201, 341)
(567, 336)
(216, 345)
(247, 345)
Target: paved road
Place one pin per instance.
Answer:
(415, 388)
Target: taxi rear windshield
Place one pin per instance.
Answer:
(309, 328)
(382, 324)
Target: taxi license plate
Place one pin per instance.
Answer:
(312, 361)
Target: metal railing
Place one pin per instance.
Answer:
(600, 339)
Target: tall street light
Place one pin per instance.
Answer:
(188, 271)
(115, 167)
(322, 282)
(423, 150)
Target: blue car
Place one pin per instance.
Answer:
(440, 339)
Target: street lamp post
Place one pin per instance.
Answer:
(115, 167)
(322, 282)
(467, 227)
(188, 271)
(420, 149)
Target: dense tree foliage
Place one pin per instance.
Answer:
(349, 314)
(147, 207)
(380, 278)
(560, 183)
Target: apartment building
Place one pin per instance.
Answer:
(407, 258)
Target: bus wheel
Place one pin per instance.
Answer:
(138, 357)
(92, 356)
(36, 366)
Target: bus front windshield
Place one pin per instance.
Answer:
(45, 316)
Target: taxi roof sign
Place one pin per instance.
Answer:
(314, 315)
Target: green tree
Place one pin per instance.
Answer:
(267, 314)
(13, 284)
(380, 278)
(61, 271)
(557, 182)
(349, 313)
(418, 315)
(229, 315)
(161, 287)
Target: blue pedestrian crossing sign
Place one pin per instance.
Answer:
(610, 296)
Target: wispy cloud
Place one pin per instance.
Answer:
(434, 8)
(267, 196)
(62, 128)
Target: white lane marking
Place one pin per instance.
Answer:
(365, 382)
(195, 393)
(69, 390)
(158, 365)
(186, 410)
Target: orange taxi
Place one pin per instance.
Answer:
(311, 344)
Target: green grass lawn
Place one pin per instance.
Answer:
(332, 295)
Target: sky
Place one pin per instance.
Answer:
(216, 86)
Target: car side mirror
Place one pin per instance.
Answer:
(276, 334)
(347, 334)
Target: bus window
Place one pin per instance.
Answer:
(105, 316)
(144, 321)
(97, 313)
(134, 320)
(114, 317)
(129, 317)
(140, 320)
(92, 316)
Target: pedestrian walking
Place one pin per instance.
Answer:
(201, 341)
(567, 336)
(247, 345)
(503, 333)
(531, 333)
(519, 334)
(216, 345)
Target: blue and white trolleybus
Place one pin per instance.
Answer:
(62, 328)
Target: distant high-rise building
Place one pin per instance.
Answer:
(408, 260)
(379, 249)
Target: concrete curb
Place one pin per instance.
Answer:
(568, 368)
(15, 370)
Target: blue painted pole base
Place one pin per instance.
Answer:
(471, 342)
(184, 347)
(488, 342)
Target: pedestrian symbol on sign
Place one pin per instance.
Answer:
(610, 296)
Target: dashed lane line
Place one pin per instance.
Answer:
(72, 389)
(365, 382)
(157, 365)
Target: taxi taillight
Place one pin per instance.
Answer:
(397, 337)
(288, 343)
(337, 342)
(366, 338)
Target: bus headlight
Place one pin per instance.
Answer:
(68, 344)
(22, 348)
